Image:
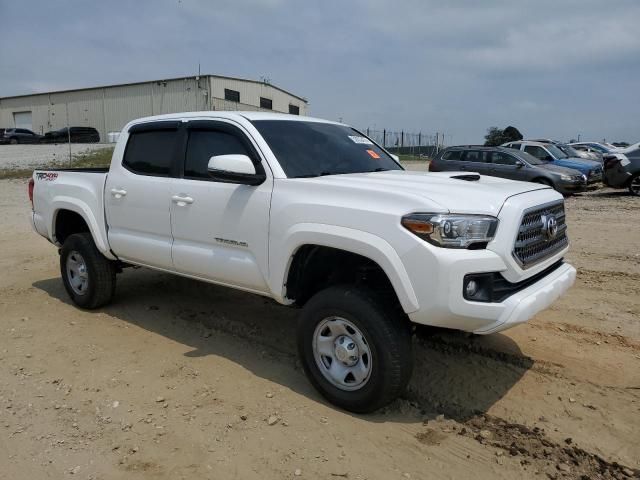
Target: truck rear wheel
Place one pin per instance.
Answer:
(88, 276)
(355, 349)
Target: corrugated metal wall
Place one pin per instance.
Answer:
(250, 93)
(108, 109)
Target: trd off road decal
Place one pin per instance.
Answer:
(236, 243)
(47, 176)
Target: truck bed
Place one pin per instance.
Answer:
(80, 190)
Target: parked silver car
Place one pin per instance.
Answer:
(574, 152)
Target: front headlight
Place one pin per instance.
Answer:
(451, 230)
(566, 178)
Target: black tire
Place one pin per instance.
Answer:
(100, 272)
(388, 336)
(634, 185)
(14, 141)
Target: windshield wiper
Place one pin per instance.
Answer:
(379, 169)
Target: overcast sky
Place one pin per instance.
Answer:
(552, 68)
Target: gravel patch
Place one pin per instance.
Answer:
(31, 156)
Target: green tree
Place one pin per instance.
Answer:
(496, 136)
(511, 134)
(493, 137)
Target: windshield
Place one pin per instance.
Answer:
(556, 152)
(570, 151)
(599, 147)
(312, 149)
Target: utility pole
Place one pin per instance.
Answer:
(66, 105)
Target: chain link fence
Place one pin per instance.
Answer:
(410, 144)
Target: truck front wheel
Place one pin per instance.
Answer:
(88, 276)
(355, 349)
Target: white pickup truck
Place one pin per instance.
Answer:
(316, 215)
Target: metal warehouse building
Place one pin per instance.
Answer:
(109, 108)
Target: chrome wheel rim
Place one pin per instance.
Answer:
(342, 353)
(77, 273)
(635, 186)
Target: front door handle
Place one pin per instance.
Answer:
(181, 200)
(118, 192)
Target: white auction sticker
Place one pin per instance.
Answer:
(362, 140)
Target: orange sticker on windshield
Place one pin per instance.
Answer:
(373, 154)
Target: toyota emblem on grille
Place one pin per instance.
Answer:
(549, 226)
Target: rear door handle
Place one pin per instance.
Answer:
(118, 192)
(182, 200)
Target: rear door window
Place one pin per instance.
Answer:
(151, 152)
(475, 156)
(500, 158)
(452, 155)
(536, 151)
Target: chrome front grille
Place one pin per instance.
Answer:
(536, 241)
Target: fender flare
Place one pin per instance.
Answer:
(350, 240)
(81, 208)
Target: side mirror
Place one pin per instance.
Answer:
(234, 168)
(519, 164)
(395, 157)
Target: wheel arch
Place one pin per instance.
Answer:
(372, 251)
(70, 217)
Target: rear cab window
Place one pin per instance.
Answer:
(151, 149)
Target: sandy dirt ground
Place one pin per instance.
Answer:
(183, 380)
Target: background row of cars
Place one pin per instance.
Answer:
(562, 166)
(75, 134)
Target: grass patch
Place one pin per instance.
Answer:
(96, 158)
(412, 158)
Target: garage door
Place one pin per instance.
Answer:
(22, 120)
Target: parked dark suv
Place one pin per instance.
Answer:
(622, 169)
(508, 163)
(19, 135)
(77, 135)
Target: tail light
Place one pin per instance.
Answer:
(433, 167)
(31, 187)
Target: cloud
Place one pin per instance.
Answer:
(550, 68)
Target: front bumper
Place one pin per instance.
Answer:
(452, 310)
(521, 306)
(571, 187)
